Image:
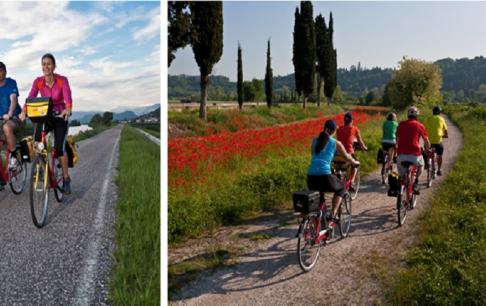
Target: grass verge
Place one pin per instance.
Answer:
(136, 274)
(448, 267)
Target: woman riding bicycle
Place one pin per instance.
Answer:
(389, 140)
(57, 88)
(319, 175)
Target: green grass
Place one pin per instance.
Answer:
(151, 128)
(248, 118)
(136, 273)
(448, 267)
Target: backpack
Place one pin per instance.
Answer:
(393, 184)
(26, 149)
(71, 152)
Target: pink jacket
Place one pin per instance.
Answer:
(60, 92)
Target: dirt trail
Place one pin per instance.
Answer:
(347, 271)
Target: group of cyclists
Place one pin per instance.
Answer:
(50, 85)
(400, 140)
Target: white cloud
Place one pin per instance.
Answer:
(151, 29)
(100, 84)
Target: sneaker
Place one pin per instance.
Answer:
(12, 164)
(66, 186)
(439, 173)
(352, 187)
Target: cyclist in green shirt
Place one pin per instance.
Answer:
(389, 140)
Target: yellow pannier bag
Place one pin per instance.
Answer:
(71, 152)
(38, 109)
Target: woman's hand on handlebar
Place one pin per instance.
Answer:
(65, 114)
(354, 162)
(22, 116)
(6, 117)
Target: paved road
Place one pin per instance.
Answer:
(68, 261)
(346, 274)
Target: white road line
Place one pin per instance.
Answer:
(152, 138)
(86, 286)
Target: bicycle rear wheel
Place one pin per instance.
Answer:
(308, 249)
(344, 214)
(18, 176)
(357, 182)
(430, 173)
(39, 191)
(402, 207)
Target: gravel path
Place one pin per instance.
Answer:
(68, 261)
(348, 271)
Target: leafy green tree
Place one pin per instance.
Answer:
(415, 82)
(107, 118)
(248, 91)
(179, 33)
(304, 50)
(207, 42)
(338, 95)
(240, 79)
(96, 121)
(74, 123)
(268, 78)
(371, 97)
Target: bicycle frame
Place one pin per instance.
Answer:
(53, 183)
(319, 214)
(4, 165)
(407, 182)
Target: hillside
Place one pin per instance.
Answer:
(462, 80)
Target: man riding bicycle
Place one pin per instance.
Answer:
(319, 176)
(408, 136)
(437, 129)
(389, 140)
(9, 110)
(347, 134)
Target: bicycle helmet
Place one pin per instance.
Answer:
(437, 110)
(330, 126)
(391, 116)
(348, 117)
(413, 112)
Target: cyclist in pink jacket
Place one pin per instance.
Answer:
(57, 88)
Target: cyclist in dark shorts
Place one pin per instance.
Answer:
(319, 176)
(437, 129)
(389, 140)
(57, 88)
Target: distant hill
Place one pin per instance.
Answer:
(140, 110)
(127, 115)
(152, 114)
(120, 113)
(462, 80)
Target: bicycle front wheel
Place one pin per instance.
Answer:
(430, 173)
(58, 192)
(308, 249)
(39, 191)
(18, 176)
(344, 214)
(357, 182)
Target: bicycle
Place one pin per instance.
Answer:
(430, 162)
(15, 177)
(342, 169)
(46, 172)
(406, 199)
(314, 227)
(385, 171)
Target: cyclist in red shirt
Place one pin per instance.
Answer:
(347, 135)
(409, 133)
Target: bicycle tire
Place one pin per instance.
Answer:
(345, 215)
(384, 177)
(306, 244)
(357, 182)
(430, 175)
(18, 177)
(39, 192)
(401, 209)
(58, 192)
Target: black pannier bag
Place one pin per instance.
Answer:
(380, 156)
(306, 201)
(393, 184)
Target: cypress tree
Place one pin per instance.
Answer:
(240, 79)
(207, 42)
(330, 81)
(179, 34)
(321, 45)
(304, 50)
(268, 78)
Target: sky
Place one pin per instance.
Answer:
(109, 51)
(376, 34)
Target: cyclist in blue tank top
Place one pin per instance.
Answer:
(319, 176)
